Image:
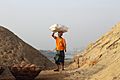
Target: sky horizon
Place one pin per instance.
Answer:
(87, 20)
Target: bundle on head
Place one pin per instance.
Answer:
(58, 28)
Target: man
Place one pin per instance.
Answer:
(60, 49)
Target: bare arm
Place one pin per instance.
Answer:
(53, 35)
(65, 49)
(65, 45)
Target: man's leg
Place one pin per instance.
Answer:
(62, 65)
(57, 61)
(58, 67)
(62, 59)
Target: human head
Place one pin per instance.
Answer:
(60, 34)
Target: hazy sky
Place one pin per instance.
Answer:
(87, 20)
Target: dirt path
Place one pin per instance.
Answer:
(51, 75)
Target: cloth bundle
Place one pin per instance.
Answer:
(58, 28)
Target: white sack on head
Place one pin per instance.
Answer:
(54, 27)
(58, 28)
(63, 28)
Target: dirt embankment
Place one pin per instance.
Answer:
(14, 50)
(101, 59)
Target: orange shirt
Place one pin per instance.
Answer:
(60, 43)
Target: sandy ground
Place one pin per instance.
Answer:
(51, 75)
